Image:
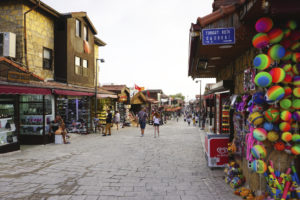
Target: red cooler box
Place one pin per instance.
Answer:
(216, 149)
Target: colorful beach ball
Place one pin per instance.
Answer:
(285, 126)
(296, 137)
(260, 40)
(259, 166)
(263, 79)
(275, 35)
(276, 52)
(296, 92)
(260, 134)
(292, 24)
(256, 118)
(262, 61)
(296, 57)
(263, 25)
(285, 115)
(268, 126)
(285, 104)
(287, 56)
(296, 149)
(288, 91)
(287, 67)
(259, 151)
(275, 93)
(273, 136)
(272, 115)
(258, 98)
(296, 69)
(288, 77)
(296, 103)
(286, 136)
(278, 74)
(296, 81)
(296, 116)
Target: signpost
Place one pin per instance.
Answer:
(218, 36)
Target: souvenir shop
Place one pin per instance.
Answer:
(264, 107)
(123, 106)
(74, 107)
(104, 104)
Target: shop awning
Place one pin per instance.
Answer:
(209, 96)
(9, 89)
(72, 93)
(102, 96)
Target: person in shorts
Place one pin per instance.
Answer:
(142, 115)
(156, 122)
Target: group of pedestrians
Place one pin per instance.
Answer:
(142, 120)
(193, 117)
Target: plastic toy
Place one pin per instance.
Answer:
(295, 47)
(285, 126)
(296, 137)
(296, 116)
(259, 166)
(268, 126)
(260, 40)
(288, 91)
(262, 61)
(288, 54)
(272, 115)
(296, 149)
(276, 52)
(288, 77)
(275, 93)
(260, 134)
(296, 103)
(258, 98)
(296, 81)
(296, 92)
(287, 67)
(273, 136)
(279, 146)
(256, 118)
(263, 25)
(296, 57)
(285, 104)
(278, 75)
(271, 170)
(296, 69)
(292, 24)
(263, 79)
(275, 35)
(259, 151)
(286, 136)
(285, 115)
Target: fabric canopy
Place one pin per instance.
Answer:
(72, 93)
(9, 89)
(101, 96)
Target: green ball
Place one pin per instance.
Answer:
(285, 104)
(296, 103)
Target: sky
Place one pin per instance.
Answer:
(147, 40)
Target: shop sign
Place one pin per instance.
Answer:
(122, 97)
(18, 77)
(218, 36)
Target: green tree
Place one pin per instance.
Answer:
(178, 95)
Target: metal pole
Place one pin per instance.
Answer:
(96, 90)
(200, 99)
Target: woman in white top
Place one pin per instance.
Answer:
(117, 119)
(156, 122)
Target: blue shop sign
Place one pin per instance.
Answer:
(218, 36)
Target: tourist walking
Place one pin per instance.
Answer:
(117, 119)
(142, 115)
(189, 119)
(156, 122)
(108, 123)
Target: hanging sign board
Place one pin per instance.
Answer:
(218, 36)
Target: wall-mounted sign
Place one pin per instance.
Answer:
(218, 36)
(18, 77)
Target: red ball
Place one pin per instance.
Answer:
(279, 146)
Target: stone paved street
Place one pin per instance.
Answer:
(122, 166)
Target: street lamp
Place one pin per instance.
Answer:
(199, 102)
(96, 89)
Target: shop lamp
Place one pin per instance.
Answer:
(96, 88)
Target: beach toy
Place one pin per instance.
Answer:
(287, 67)
(296, 149)
(256, 118)
(263, 79)
(279, 146)
(296, 92)
(296, 103)
(263, 25)
(272, 115)
(261, 61)
(285, 126)
(258, 98)
(259, 166)
(295, 46)
(286, 136)
(276, 52)
(296, 116)
(296, 137)
(273, 136)
(285, 103)
(257, 108)
(268, 126)
(292, 24)
(296, 81)
(287, 56)
(288, 77)
(260, 134)
(296, 57)
(285, 115)
(275, 93)
(260, 40)
(275, 35)
(294, 127)
(296, 69)
(278, 74)
(288, 91)
(259, 151)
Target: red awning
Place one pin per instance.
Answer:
(72, 93)
(9, 89)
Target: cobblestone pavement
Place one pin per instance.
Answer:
(122, 166)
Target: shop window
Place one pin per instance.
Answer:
(8, 133)
(47, 58)
(78, 28)
(85, 67)
(78, 68)
(85, 33)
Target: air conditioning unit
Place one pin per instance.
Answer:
(8, 44)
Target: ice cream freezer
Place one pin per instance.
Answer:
(216, 149)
